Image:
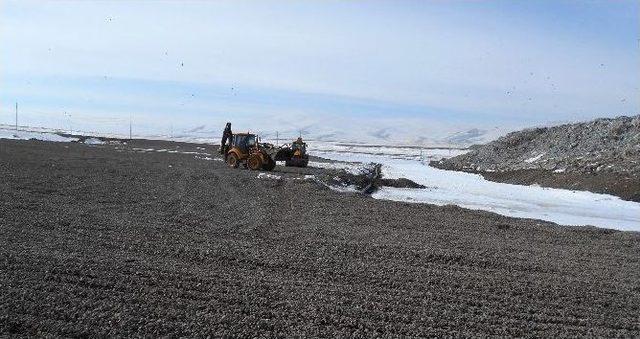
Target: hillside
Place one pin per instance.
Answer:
(602, 155)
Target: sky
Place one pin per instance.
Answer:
(371, 71)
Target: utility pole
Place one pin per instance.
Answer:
(277, 139)
(16, 115)
(70, 127)
(130, 123)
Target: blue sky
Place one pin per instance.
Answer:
(348, 69)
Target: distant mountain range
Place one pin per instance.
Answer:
(398, 135)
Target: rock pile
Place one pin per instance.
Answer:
(598, 146)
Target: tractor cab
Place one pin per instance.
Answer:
(299, 147)
(244, 141)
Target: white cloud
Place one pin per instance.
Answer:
(463, 57)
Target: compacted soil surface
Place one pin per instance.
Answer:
(117, 240)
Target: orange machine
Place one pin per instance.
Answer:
(245, 149)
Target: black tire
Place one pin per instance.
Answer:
(269, 166)
(254, 163)
(232, 160)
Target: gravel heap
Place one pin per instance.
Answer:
(598, 146)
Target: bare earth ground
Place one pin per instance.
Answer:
(98, 241)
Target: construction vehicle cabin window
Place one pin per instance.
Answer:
(251, 140)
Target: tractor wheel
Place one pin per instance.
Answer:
(232, 160)
(254, 162)
(269, 165)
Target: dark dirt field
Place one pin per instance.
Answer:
(98, 241)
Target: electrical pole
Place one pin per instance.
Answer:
(130, 123)
(69, 116)
(277, 139)
(16, 115)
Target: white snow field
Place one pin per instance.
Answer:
(28, 135)
(472, 191)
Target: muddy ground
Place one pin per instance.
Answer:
(110, 241)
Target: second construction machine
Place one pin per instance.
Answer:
(294, 154)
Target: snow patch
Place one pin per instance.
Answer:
(306, 177)
(94, 141)
(186, 152)
(168, 151)
(535, 158)
(348, 167)
(268, 176)
(208, 158)
(30, 135)
(472, 191)
(400, 152)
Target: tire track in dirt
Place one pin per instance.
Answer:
(124, 245)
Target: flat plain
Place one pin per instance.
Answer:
(111, 240)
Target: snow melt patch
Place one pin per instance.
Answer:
(93, 141)
(268, 176)
(208, 158)
(306, 177)
(164, 150)
(398, 152)
(535, 158)
(185, 152)
(472, 191)
(30, 135)
(348, 167)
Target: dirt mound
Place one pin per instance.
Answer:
(602, 155)
(602, 145)
(369, 180)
